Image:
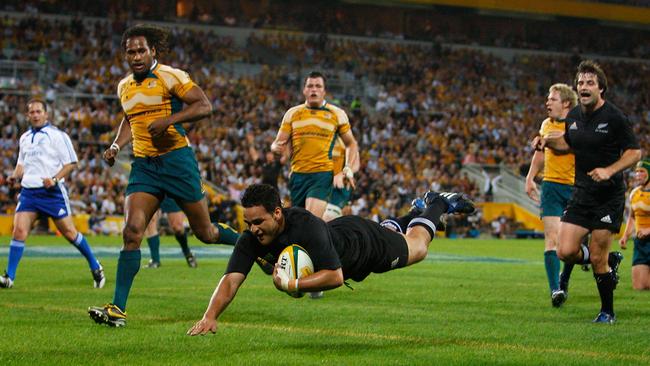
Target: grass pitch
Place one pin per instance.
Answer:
(471, 302)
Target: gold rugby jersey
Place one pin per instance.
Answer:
(158, 95)
(313, 133)
(640, 205)
(557, 168)
(338, 156)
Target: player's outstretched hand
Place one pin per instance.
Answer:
(623, 242)
(203, 326)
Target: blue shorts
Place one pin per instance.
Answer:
(641, 252)
(555, 197)
(341, 197)
(52, 202)
(305, 185)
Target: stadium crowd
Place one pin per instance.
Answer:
(422, 112)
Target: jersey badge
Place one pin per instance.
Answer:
(606, 219)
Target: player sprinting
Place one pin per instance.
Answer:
(638, 225)
(349, 247)
(152, 98)
(46, 157)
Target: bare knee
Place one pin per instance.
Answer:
(20, 233)
(640, 286)
(566, 253)
(132, 236)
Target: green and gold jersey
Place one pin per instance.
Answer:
(640, 205)
(557, 168)
(338, 156)
(158, 95)
(313, 133)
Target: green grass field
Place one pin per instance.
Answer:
(471, 302)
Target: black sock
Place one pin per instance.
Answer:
(399, 224)
(606, 284)
(566, 271)
(430, 218)
(182, 240)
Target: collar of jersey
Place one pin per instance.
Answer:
(38, 129)
(321, 108)
(150, 74)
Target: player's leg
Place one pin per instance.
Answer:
(551, 260)
(641, 277)
(153, 241)
(569, 248)
(605, 277)
(400, 224)
(22, 225)
(177, 223)
(67, 229)
(139, 208)
(641, 264)
(421, 230)
(199, 219)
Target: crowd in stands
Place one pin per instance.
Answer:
(442, 24)
(424, 110)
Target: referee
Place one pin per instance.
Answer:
(603, 142)
(45, 158)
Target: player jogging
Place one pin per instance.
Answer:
(46, 157)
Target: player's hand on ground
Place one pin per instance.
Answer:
(532, 191)
(158, 127)
(109, 155)
(600, 174)
(203, 326)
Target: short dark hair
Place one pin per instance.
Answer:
(37, 100)
(261, 195)
(156, 37)
(315, 74)
(591, 67)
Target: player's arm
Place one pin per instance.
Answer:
(554, 140)
(221, 298)
(627, 160)
(197, 107)
(325, 279)
(279, 145)
(17, 174)
(629, 230)
(536, 166)
(352, 161)
(123, 137)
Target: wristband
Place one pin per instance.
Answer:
(115, 146)
(347, 172)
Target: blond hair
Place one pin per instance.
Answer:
(566, 93)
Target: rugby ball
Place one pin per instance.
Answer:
(295, 262)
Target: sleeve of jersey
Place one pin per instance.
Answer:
(318, 244)
(344, 122)
(66, 150)
(285, 126)
(626, 136)
(178, 81)
(21, 155)
(243, 255)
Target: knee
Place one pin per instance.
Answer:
(565, 253)
(641, 286)
(20, 233)
(132, 235)
(597, 258)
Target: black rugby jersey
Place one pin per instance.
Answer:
(598, 140)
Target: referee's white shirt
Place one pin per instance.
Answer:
(43, 152)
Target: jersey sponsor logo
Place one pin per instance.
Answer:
(606, 219)
(573, 126)
(140, 98)
(602, 128)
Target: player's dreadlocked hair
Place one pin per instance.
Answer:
(261, 195)
(591, 67)
(156, 37)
